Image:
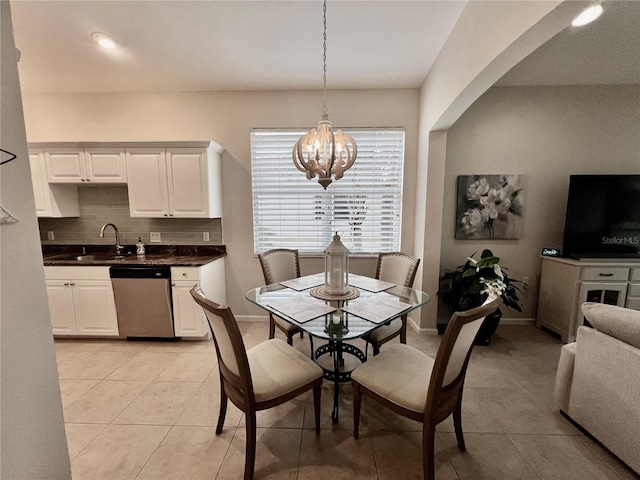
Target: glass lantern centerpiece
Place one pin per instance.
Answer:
(336, 267)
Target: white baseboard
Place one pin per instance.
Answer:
(517, 321)
(422, 331)
(252, 318)
(503, 321)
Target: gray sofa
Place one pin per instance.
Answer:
(598, 379)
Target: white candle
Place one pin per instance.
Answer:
(336, 280)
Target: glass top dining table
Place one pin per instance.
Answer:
(339, 326)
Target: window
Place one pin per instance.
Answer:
(365, 205)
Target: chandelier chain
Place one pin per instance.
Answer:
(324, 58)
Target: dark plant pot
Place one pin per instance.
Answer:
(488, 328)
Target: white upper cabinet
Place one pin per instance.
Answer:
(175, 182)
(51, 200)
(79, 165)
(147, 182)
(105, 165)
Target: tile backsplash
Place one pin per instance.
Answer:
(110, 204)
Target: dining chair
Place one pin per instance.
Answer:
(262, 377)
(278, 265)
(419, 387)
(399, 268)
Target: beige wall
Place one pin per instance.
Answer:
(546, 134)
(489, 39)
(32, 437)
(227, 117)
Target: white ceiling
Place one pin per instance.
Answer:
(228, 45)
(184, 45)
(604, 52)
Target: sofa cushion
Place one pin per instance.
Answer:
(618, 322)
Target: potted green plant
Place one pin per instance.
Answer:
(470, 284)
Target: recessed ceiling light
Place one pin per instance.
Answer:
(588, 15)
(104, 40)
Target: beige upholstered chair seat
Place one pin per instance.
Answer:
(386, 330)
(399, 373)
(284, 325)
(277, 369)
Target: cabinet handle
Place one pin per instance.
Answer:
(171, 214)
(88, 179)
(72, 284)
(66, 284)
(184, 274)
(173, 284)
(166, 215)
(82, 180)
(606, 274)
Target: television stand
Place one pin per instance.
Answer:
(565, 284)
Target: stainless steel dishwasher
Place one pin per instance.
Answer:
(143, 300)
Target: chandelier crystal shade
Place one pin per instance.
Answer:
(321, 152)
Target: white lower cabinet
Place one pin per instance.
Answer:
(188, 317)
(81, 301)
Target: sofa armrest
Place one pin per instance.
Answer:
(605, 391)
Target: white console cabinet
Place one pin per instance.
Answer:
(81, 301)
(175, 182)
(566, 284)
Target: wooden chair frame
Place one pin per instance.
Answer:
(239, 388)
(442, 401)
(376, 344)
(269, 279)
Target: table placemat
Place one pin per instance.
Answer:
(369, 284)
(376, 310)
(305, 282)
(301, 310)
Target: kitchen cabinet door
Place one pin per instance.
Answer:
(147, 183)
(94, 307)
(105, 165)
(174, 182)
(61, 309)
(51, 200)
(65, 165)
(188, 183)
(81, 301)
(188, 316)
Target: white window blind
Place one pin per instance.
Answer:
(365, 206)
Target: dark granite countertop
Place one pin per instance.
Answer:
(105, 255)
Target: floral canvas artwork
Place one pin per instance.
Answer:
(489, 206)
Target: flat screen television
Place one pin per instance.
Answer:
(603, 216)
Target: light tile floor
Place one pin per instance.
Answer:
(147, 411)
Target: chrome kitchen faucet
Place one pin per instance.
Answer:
(115, 229)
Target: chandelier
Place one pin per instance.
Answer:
(322, 152)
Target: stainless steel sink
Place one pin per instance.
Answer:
(98, 257)
(91, 258)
